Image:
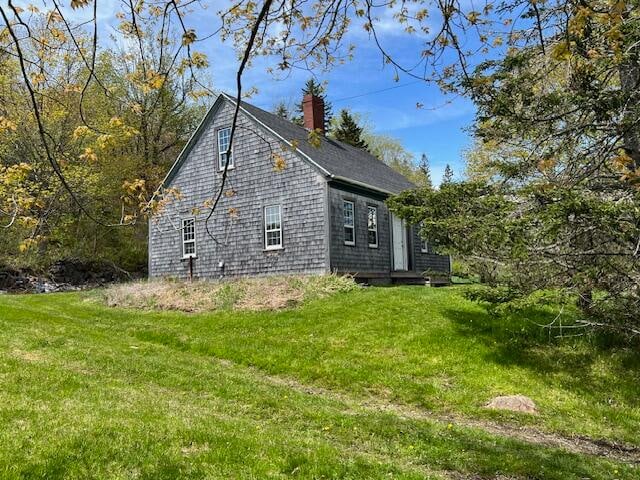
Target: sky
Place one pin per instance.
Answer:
(437, 129)
(362, 85)
(365, 86)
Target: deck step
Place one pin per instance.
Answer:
(408, 280)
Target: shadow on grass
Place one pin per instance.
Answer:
(521, 341)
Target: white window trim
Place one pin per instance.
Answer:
(220, 152)
(352, 227)
(184, 242)
(372, 245)
(264, 215)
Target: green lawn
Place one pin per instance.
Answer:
(316, 392)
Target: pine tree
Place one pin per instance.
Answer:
(314, 88)
(348, 131)
(281, 110)
(448, 174)
(424, 171)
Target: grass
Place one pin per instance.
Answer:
(260, 293)
(95, 392)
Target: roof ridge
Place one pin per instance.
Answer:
(339, 160)
(300, 127)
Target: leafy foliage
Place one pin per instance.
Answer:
(447, 177)
(282, 111)
(424, 171)
(112, 141)
(348, 131)
(553, 203)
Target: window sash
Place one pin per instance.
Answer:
(188, 237)
(272, 227)
(349, 211)
(372, 226)
(224, 150)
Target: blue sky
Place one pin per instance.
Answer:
(437, 129)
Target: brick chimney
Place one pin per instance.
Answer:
(313, 112)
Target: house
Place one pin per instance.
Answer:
(288, 206)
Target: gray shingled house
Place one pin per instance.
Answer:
(288, 207)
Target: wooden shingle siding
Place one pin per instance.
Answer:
(428, 261)
(310, 199)
(359, 258)
(237, 224)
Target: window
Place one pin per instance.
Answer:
(372, 226)
(224, 149)
(188, 237)
(349, 225)
(272, 227)
(424, 246)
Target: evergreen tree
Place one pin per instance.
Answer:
(316, 89)
(348, 131)
(281, 110)
(448, 175)
(424, 171)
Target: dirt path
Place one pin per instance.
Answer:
(575, 444)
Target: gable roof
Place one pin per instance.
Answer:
(339, 160)
(336, 160)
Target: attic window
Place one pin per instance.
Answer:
(349, 225)
(224, 150)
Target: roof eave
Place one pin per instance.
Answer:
(189, 145)
(362, 184)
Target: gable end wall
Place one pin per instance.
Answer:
(237, 224)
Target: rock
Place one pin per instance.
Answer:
(513, 403)
(63, 275)
(78, 272)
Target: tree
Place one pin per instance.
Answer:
(281, 110)
(555, 84)
(447, 177)
(424, 171)
(162, 43)
(348, 131)
(112, 151)
(551, 216)
(386, 149)
(390, 150)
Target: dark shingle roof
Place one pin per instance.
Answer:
(340, 160)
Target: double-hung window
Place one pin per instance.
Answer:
(188, 237)
(272, 227)
(224, 148)
(349, 223)
(372, 226)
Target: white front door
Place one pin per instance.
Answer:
(399, 242)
